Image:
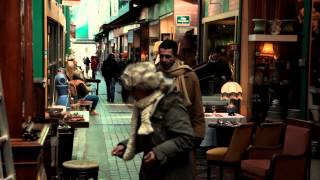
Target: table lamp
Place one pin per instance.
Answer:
(231, 91)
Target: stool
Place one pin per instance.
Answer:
(80, 169)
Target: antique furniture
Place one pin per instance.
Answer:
(210, 138)
(97, 81)
(230, 156)
(66, 135)
(269, 134)
(292, 161)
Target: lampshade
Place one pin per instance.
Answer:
(267, 50)
(231, 90)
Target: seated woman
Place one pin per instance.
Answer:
(83, 92)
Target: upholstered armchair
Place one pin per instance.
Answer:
(291, 161)
(230, 156)
(269, 134)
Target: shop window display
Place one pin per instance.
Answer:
(219, 65)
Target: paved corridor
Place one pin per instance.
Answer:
(105, 131)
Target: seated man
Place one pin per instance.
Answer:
(83, 92)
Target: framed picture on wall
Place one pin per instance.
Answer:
(165, 36)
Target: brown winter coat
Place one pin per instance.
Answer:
(195, 110)
(194, 100)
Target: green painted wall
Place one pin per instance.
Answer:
(82, 32)
(166, 6)
(206, 8)
(66, 11)
(225, 5)
(305, 56)
(37, 38)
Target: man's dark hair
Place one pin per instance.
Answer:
(111, 56)
(169, 44)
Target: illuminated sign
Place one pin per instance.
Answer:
(183, 20)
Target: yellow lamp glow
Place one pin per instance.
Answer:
(267, 50)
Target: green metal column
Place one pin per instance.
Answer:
(37, 39)
(305, 59)
(67, 15)
(238, 42)
(225, 5)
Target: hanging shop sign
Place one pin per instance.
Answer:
(130, 36)
(183, 20)
(70, 2)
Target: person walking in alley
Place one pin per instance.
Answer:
(110, 73)
(86, 62)
(160, 126)
(187, 83)
(94, 66)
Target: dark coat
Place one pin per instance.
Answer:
(171, 141)
(110, 68)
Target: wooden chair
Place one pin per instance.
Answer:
(230, 156)
(269, 134)
(292, 161)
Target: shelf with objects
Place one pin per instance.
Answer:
(275, 59)
(274, 78)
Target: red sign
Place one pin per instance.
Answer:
(70, 2)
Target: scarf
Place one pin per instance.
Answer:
(177, 71)
(145, 107)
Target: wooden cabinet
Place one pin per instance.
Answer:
(274, 73)
(28, 156)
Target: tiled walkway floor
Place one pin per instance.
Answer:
(111, 126)
(105, 131)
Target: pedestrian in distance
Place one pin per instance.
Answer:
(160, 126)
(110, 74)
(94, 66)
(86, 62)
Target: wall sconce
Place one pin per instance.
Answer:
(267, 50)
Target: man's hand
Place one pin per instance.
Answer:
(118, 150)
(150, 158)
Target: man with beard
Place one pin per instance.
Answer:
(187, 83)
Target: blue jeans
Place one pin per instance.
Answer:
(111, 86)
(94, 100)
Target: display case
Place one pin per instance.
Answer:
(275, 58)
(314, 73)
(274, 78)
